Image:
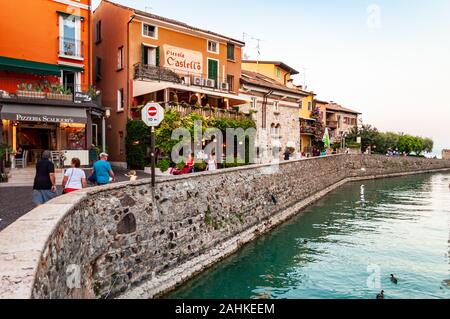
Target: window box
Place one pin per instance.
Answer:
(31, 94)
(58, 96)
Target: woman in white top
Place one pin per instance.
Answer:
(212, 164)
(74, 178)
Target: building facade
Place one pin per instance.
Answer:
(446, 154)
(340, 121)
(306, 123)
(275, 106)
(46, 99)
(140, 58)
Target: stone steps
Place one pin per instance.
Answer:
(24, 177)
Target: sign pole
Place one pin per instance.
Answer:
(152, 115)
(153, 155)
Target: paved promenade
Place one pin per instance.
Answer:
(16, 201)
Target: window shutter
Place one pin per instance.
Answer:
(142, 54)
(157, 56)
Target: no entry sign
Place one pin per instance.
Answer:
(152, 114)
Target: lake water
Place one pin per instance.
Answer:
(345, 247)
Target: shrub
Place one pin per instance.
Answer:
(137, 142)
(164, 164)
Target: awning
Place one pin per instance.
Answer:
(146, 87)
(43, 114)
(16, 65)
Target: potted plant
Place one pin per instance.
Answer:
(29, 91)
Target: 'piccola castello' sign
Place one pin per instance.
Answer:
(183, 60)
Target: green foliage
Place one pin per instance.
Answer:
(200, 167)
(381, 143)
(137, 142)
(318, 128)
(164, 164)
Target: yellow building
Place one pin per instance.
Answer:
(306, 123)
(276, 70)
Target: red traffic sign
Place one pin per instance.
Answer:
(153, 114)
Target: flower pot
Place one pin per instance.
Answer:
(31, 94)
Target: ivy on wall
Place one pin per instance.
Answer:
(137, 140)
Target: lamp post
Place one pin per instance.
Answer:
(107, 115)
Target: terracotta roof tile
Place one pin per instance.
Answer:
(254, 78)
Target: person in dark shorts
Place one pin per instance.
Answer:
(44, 188)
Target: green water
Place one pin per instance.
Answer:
(356, 237)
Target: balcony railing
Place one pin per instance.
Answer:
(307, 129)
(70, 48)
(11, 88)
(332, 124)
(184, 110)
(159, 73)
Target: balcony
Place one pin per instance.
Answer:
(332, 124)
(307, 129)
(70, 48)
(28, 89)
(185, 109)
(159, 73)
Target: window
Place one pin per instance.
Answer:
(120, 101)
(98, 68)
(69, 36)
(276, 106)
(120, 58)
(301, 105)
(149, 31)
(98, 37)
(309, 106)
(150, 55)
(230, 81)
(213, 47)
(278, 73)
(254, 103)
(275, 130)
(230, 51)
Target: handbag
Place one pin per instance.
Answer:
(68, 182)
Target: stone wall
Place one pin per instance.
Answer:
(127, 240)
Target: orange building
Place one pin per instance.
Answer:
(140, 57)
(45, 77)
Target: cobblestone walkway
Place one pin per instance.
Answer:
(16, 201)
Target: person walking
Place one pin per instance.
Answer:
(212, 163)
(44, 187)
(103, 171)
(74, 178)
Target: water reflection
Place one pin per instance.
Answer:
(400, 225)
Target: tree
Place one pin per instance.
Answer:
(369, 136)
(318, 128)
(428, 145)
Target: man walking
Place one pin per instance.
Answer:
(44, 188)
(103, 171)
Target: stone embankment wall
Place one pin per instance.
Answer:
(128, 240)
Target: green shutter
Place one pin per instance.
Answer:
(142, 54)
(213, 70)
(157, 56)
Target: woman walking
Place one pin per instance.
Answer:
(74, 178)
(212, 163)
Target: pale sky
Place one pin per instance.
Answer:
(389, 59)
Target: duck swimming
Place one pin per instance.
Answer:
(393, 279)
(381, 295)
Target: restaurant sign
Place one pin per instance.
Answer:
(43, 114)
(183, 60)
(44, 118)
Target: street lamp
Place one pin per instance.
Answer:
(107, 115)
